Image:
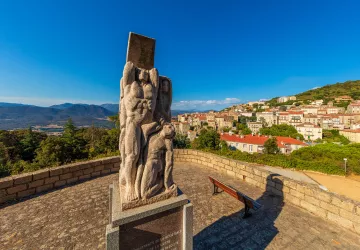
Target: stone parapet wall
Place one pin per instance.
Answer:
(336, 208)
(23, 185)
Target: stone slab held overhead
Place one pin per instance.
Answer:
(141, 51)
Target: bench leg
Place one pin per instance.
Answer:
(216, 190)
(247, 213)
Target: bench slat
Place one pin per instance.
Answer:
(236, 194)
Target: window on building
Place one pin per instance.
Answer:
(244, 146)
(250, 148)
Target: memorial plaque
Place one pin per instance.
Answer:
(159, 231)
(141, 51)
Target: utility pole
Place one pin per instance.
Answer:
(345, 159)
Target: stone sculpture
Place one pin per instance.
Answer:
(146, 137)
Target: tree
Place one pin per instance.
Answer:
(51, 152)
(282, 130)
(181, 141)
(74, 145)
(30, 143)
(208, 139)
(115, 120)
(271, 147)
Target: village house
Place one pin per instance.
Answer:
(310, 110)
(254, 126)
(184, 127)
(295, 117)
(310, 131)
(317, 102)
(269, 118)
(283, 118)
(352, 134)
(314, 119)
(354, 108)
(255, 143)
(343, 98)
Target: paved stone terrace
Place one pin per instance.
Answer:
(75, 218)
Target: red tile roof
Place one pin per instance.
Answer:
(260, 140)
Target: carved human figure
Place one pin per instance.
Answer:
(136, 108)
(158, 163)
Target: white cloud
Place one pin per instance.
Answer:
(201, 104)
(45, 101)
(315, 87)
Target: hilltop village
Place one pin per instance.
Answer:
(241, 125)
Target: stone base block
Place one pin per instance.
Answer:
(138, 203)
(166, 224)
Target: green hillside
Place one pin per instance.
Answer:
(329, 92)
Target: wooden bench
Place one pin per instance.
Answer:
(249, 203)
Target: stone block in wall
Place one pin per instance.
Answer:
(228, 167)
(41, 174)
(72, 180)
(15, 189)
(78, 173)
(290, 184)
(3, 192)
(297, 194)
(84, 177)
(321, 212)
(60, 183)
(323, 195)
(115, 159)
(308, 206)
(36, 183)
(312, 200)
(66, 176)
(99, 168)
(51, 179)
(225, 161)
(85, 166)
(114, 170)
(343, 203)
(44, 188)
(75, 167)
(6, 182)
(22, 178)
(116, 164)
(7, 198)
(26, 193)
(240, 165)
(300, 188)
(233, 164)
(90, 170)
(257, 172)
(349, 215)
(95, 174)
(56, 171)
(292, 199)
(357, 228)
(329, 207)
(340, 220)
(249, 169)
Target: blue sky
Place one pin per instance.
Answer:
(216, 52)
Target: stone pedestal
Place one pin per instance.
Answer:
(166, 224)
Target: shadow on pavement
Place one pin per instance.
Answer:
(255, 232)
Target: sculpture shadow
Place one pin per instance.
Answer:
(254, 232)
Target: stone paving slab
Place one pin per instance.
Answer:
(75, 218)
